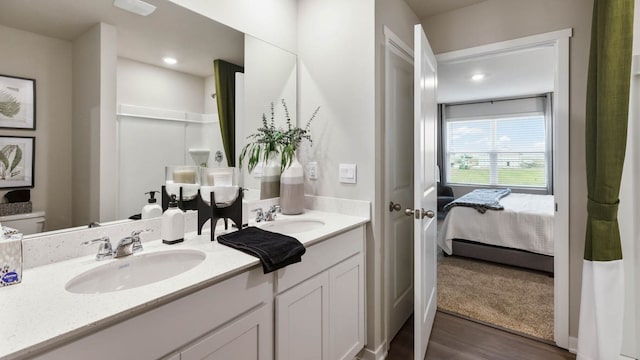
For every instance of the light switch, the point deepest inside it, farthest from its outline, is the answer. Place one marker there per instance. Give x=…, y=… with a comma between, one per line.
x=347, y=173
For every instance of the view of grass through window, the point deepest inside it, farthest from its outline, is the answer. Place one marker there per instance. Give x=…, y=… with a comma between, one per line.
x=508, y=177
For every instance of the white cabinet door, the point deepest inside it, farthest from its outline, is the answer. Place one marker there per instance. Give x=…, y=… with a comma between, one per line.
x=346, y=308
x=302, y=320
x=248, y=338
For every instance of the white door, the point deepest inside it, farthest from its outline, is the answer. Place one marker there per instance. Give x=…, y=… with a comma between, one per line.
x=398, y=181
x=425, y=223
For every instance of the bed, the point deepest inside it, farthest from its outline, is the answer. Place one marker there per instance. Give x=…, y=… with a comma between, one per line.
x=520, y=235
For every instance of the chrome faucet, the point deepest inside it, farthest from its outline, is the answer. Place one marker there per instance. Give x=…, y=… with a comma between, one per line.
x=129, y=245
x=137, y=243
x=105, y=251
x=269, y=215
x=259, y=214
x=126, y=246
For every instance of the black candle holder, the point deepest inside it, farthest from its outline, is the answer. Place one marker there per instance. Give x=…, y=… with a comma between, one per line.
x=184, y=205
x=214, y=213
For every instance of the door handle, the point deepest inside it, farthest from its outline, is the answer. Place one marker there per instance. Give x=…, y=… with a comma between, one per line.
x=419, y=213
x=396, y=207
x=429, y=213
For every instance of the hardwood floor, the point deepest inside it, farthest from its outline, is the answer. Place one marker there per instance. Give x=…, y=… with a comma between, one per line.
x=453, y=337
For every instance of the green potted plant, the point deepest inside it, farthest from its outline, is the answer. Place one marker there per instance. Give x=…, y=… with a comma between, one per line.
x=264, y=142
x=264, y=146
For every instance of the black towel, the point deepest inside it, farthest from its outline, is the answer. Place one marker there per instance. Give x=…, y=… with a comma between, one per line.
x=274, y=250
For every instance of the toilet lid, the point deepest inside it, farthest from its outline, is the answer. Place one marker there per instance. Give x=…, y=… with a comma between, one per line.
x=31, y=215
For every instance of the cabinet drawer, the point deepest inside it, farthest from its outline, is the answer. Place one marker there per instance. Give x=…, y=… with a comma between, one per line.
x=320, y=257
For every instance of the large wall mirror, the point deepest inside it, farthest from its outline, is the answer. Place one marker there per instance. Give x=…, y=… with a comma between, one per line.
x=111, y=113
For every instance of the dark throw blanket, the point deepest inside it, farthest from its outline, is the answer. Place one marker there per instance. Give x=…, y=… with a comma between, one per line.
x=481, y=200
x=274, y=250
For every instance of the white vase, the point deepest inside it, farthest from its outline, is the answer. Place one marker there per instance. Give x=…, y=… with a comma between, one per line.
x=270, y=178
x=292, y=189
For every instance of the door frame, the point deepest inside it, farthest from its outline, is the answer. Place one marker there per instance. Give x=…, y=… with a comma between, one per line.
x=560, y=42
x=393, y=43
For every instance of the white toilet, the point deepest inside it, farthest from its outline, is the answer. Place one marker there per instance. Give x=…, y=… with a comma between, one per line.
x=29, y=223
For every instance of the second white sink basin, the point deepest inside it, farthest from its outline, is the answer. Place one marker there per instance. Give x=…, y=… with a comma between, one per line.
x=134, y=271
x=293, y=226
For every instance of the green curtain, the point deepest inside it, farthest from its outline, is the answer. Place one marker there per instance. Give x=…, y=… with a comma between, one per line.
x=225, y=75
x=606, y=123
x=602, y=300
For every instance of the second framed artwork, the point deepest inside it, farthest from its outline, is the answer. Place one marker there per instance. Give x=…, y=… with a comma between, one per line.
x=17, y=159
x=17, y=103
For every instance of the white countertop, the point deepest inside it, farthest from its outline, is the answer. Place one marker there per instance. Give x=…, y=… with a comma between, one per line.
x=39, y=313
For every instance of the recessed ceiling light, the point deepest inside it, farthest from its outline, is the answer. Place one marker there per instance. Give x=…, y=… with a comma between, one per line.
x=477, y=77
x=138, y=7
x=170, y=60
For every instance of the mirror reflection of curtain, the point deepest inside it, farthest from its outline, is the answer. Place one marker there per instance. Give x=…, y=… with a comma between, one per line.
x=225, y=76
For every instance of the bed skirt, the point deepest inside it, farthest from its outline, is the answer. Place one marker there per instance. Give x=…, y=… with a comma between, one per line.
x=502, y=255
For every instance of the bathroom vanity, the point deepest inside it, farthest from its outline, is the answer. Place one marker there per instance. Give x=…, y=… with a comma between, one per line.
x=223, y=307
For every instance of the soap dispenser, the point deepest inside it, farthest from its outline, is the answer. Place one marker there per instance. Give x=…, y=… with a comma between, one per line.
x=172, y=229
x=152, y=209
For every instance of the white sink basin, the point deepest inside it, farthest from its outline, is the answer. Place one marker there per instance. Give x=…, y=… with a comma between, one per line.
x=293, y=226
x=135, y=271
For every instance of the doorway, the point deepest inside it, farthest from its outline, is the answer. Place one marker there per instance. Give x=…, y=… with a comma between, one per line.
x=398, y=243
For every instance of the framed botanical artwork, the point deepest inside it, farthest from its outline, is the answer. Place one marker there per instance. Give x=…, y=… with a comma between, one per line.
x=17, y=103
x=17, y=159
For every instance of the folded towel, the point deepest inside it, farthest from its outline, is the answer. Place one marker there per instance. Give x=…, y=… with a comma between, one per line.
x=274, y=250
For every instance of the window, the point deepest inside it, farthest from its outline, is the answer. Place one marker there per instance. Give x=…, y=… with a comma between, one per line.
x=497, y=150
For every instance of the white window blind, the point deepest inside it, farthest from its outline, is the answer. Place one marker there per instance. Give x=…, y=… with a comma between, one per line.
x=502, y=143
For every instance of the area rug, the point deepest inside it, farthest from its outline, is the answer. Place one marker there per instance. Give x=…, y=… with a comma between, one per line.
x=508, y=297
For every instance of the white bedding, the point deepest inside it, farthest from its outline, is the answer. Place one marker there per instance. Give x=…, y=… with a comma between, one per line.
x=526, y=223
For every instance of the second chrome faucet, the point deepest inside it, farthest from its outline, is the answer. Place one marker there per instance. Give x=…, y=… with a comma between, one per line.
x=126, y=246
x=269, y=215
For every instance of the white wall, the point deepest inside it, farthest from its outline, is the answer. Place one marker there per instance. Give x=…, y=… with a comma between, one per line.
x=108, y=166
x=399, y=18
x=336, y=71
x=48, y=61
x=142, y=84
x=210, y=105
x=271, y=20
x=336, y=58
x=94, y=125
x=498, y=20
x=86, y=107
x=269, y=76
x=146, y=146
